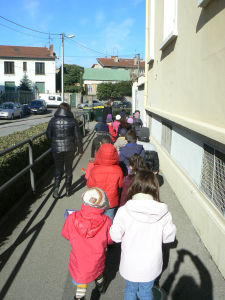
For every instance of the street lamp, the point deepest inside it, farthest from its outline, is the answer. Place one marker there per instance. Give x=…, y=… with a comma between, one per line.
x=62, y=61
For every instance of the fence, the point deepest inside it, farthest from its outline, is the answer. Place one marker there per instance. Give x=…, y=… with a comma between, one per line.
x=23, y=97
x=33, y=162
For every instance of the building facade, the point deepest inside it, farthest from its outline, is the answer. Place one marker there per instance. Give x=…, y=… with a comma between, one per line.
x=38, y=63
x=184, y=101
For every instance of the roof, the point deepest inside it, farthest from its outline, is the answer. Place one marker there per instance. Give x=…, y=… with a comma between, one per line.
x=121, y=63
x=26, y=52
x=105, y=74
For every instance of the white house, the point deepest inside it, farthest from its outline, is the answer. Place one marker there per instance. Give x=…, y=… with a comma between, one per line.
x=38, y=63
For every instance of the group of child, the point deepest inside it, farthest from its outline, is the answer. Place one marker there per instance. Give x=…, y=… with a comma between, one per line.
x=121, y=205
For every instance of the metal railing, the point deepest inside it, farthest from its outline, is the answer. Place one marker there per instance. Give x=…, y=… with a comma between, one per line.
x=33, y=162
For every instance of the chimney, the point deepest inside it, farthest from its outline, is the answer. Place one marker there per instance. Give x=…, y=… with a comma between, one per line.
x=51, y=50
x=116, y=59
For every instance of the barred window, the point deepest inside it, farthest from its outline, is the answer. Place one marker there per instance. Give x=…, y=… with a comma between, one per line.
x=166, y=136
x=213, y=177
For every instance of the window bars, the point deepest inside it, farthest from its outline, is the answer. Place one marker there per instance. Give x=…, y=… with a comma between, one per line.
x=213, y=177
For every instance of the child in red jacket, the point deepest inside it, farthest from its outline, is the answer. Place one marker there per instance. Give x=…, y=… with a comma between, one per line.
x=111, y=129
x=88, y=233
x=107, y=175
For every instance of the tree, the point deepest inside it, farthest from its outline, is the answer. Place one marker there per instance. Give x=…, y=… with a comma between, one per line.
x=25, y=84
x=73, y=82
x=114, y=90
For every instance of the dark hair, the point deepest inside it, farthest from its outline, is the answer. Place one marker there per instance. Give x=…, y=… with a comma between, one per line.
x=122, y=131
x=137, y=163
x=106, y=139
x=144, y=182
x=65, y=106
x=131, y=136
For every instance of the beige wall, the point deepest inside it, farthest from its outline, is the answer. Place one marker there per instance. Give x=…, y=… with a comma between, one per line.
x=187, y=79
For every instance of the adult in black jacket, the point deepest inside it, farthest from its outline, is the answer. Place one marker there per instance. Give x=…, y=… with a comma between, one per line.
x=64, y=133
x=107, y=110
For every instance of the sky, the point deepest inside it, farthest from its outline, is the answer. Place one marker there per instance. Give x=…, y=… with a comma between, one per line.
x=101, y=27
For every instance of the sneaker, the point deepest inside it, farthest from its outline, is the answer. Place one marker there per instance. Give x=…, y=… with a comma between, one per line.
x=56, y=193
x=75, y=298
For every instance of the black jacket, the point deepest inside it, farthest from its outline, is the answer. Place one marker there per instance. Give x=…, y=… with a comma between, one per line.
x=64, y=132
x=106, y=111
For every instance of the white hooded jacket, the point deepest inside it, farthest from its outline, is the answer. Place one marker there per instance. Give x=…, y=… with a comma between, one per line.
x=142, y=225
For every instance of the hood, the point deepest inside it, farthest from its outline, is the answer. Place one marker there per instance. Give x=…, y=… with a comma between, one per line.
x=106, y=155
x=61, y=112
x=89, y=221
x=134, y=148
x=144, y=209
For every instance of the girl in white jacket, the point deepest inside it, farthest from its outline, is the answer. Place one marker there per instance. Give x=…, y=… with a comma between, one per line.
x=142, y=225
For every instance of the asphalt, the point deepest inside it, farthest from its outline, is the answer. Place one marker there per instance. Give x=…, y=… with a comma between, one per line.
x=34, y=256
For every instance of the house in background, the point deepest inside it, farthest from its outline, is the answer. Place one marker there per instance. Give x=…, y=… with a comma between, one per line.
x=136, y=66
x=38, y=63
x=184, y=101
x=94, y=76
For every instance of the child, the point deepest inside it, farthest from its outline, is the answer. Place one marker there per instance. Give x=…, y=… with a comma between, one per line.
x=142, y=225
x=137, y=122
x=121, y=141
x=131, y=148
x=103, y=139
x=110, y=126
x=107, y=175
x=116, y=123
x=136, y=162
x=101, y=126
x=88, y=233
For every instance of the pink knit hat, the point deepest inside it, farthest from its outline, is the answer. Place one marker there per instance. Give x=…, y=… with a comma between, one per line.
x=130, y=120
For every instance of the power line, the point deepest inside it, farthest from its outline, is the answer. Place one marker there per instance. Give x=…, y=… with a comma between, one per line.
x=84, y=46
x=28, y=28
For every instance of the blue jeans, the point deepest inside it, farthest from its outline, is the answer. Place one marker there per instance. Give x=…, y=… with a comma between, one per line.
x=110, y=212
x=142, y=290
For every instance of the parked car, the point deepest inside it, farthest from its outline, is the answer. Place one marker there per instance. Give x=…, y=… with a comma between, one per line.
x=38, y=106
x=92, y=103
x=52, y=100
x=25, y=109
x=10, y=110
x=122, y=104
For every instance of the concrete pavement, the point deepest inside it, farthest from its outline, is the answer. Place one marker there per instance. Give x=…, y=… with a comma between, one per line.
x=34, y=256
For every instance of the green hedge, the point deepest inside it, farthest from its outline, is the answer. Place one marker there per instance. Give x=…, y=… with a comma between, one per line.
x=13, y=162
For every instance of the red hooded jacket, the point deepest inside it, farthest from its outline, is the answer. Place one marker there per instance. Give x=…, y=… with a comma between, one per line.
x=88, y=233
x=106, y=173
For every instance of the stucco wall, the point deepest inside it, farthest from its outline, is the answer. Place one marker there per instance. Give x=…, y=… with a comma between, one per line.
x=49, y=78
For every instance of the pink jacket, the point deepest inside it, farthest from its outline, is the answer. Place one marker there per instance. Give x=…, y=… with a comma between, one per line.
x=142, y=225
x=88, y=233
x=116, y=125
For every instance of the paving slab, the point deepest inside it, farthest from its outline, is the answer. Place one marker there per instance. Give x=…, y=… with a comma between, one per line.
x=34, y=256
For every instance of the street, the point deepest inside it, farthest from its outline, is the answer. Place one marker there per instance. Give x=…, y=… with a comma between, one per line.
x=10, y=126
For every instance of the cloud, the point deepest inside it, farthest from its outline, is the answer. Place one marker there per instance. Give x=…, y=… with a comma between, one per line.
x=32, y=7
x=99, y=17
x=116, y=34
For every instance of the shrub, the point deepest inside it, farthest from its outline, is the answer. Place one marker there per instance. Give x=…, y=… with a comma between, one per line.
x=16, y=160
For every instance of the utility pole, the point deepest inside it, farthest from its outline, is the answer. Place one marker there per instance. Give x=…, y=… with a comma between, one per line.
x=62, y=66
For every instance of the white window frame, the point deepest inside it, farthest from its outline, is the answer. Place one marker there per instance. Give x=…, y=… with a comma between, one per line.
x=152, y=32
x=203, y=3
x=170, y=20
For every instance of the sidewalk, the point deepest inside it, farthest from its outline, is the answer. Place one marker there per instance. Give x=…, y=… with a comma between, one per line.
x=34, y=257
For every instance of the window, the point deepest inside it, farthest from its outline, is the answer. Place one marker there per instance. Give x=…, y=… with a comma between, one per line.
x=39, y=68
x=51, y=98
x=152, y=31
x=166, y=136
x=9, y=67
x=9, y=86
x=169, y=22
x=90, y=89
x=25, y=66
x=40, y=86
x=213, y=177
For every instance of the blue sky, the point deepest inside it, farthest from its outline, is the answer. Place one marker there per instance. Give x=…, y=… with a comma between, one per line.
x=107, y=27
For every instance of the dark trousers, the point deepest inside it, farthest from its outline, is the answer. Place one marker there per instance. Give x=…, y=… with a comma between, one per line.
x=63, y=160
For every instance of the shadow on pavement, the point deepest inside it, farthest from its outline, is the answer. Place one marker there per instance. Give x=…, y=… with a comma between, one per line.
x=187, y=288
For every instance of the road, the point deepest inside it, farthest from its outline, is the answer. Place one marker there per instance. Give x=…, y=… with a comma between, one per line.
x=10, y=126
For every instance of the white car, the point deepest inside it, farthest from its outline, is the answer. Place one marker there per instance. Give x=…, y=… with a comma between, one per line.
x=51, y=100
x=92, y=104
x=10, y=110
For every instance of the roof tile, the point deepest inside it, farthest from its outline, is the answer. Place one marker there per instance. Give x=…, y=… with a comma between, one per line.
x=26, y=52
